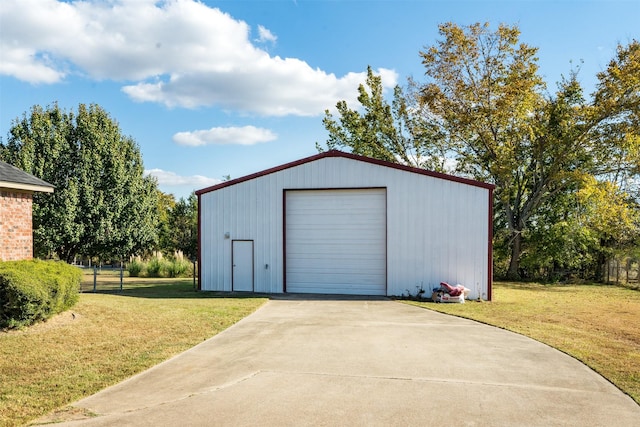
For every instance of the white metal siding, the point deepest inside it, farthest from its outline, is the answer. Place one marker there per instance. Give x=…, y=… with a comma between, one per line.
x=437, y=229
x=336, y=241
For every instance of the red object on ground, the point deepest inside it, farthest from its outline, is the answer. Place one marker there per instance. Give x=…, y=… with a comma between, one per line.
x=454, y=291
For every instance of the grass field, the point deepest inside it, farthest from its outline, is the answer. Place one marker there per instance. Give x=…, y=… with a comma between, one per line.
x=597, y=324
x=104, y=339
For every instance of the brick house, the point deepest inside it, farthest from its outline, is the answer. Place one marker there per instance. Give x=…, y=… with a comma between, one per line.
x=16, y=199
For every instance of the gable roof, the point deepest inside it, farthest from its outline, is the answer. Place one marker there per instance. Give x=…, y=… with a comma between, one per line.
x=342, y=154
x=16, y=179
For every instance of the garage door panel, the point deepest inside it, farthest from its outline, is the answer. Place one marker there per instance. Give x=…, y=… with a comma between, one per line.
x=335, y=225
x=336, y=228
x=338, y=288
x=359, y=263
x=329, y=233
x=336, y=241
x=359, y=267
x=332, y=279
x=322, y=277
x=334, y=249
x=309, y=260
x=337, y=276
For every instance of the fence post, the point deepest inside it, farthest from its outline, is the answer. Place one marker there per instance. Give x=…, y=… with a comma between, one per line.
x=95, y=277
x=627, y=270
x=194, y=275
x=121, y=274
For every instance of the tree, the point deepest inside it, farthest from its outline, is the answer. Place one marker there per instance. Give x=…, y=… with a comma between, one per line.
x=612, y=217
x=184, y=225
x=103, y=205
x=383, y=131
x=615, y=118
x=484, y=110
x=166, y=204
x=178, y=225
x=592, y=148
x=576, y=231
x=484, y=90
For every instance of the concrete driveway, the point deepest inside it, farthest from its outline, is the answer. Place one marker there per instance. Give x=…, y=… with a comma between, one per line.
x=304, y=360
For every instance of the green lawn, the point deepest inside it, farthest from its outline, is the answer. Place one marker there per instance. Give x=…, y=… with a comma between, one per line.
x=104, y=339
x=597, y=324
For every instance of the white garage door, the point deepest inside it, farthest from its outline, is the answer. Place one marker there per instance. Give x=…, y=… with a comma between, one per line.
x=336, y=241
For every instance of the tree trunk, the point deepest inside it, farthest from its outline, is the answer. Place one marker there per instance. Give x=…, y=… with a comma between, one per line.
x=68, y=258
x=602, y=266
x=514, y=262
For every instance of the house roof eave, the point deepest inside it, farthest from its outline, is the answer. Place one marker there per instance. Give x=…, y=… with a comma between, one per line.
x=5, y=185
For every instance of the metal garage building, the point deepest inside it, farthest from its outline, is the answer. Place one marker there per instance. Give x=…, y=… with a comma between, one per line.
x=337, y=223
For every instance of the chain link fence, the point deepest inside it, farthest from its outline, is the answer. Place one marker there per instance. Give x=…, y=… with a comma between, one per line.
x=623, y=271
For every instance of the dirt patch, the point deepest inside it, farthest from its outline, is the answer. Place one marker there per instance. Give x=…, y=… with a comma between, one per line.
x=69, y=413
x=55, y=322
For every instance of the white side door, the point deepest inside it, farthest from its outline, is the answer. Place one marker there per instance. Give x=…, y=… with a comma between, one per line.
x=242, y=268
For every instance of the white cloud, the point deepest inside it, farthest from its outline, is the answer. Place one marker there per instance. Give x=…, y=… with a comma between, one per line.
x=264, y=35
x=246, y=135
x=19, y=62
x=180, y=53
x=167, y=178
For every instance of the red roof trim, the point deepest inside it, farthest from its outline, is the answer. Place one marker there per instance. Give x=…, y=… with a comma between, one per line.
x=336, y=153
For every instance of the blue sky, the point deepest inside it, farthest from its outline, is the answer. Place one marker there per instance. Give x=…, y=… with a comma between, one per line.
x=215, y=88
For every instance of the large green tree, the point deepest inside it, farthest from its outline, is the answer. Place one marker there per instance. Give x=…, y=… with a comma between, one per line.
x=484, y=90
x=484, y=111
x=103, y=205
x=574, y=231
x=178, y=226
x=394, y=133
x=166, y=203
x=184, y=225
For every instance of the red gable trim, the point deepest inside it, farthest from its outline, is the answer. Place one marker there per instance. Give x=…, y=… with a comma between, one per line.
x=336, y=153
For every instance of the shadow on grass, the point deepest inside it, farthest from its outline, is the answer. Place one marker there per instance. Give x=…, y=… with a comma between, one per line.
x=551, y=287
x=183, y=288
x=160, y=288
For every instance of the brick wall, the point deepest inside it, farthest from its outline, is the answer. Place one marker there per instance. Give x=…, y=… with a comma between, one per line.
x=16, y=234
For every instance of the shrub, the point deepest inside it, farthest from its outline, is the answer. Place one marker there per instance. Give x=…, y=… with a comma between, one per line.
x=160, y=267
x=179, y=268
x=134, y=268
x=35, y=290
x=155, y=267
